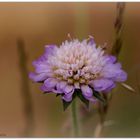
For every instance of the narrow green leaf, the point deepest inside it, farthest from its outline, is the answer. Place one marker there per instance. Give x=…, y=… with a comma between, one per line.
x=98, y=96
x=58, y=94
x=66, y=104
x=82, y=98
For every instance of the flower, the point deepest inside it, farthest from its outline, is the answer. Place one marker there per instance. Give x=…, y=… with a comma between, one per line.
x=77, y=65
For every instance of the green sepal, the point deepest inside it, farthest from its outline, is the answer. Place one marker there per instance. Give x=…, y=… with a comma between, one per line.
x=66, y=104
x=99, y=97
x=82, y=98
x=78, y=93
x=58, y=94
x=45, y=92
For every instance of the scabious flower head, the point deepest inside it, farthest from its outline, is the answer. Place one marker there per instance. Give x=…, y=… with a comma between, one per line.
x=77, y=65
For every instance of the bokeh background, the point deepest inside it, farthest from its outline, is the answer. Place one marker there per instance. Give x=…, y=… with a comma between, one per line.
x=24, y=30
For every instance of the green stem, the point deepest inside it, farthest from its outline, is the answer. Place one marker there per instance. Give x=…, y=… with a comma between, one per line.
x=75, y=119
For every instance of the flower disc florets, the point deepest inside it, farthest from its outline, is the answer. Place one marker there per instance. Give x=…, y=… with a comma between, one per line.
x=77, y=65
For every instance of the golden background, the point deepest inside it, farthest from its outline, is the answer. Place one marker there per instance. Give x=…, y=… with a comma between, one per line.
x=38, y=24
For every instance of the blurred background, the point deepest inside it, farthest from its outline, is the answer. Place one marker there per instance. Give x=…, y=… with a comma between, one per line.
x=24, y=30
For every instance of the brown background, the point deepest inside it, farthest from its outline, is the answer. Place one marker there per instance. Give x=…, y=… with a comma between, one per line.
x=39, y=24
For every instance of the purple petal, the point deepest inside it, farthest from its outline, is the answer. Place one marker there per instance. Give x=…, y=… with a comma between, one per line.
x=92, y=99
x=68, y=97
x=50, y=83
x=121, y=76
x=37, y=77
x=56, y=91
x=86, y=91
x=111, y=59
x=111, y=71
x=61, y=85
x=44, y=89
x=91, y=40
x=68, y=89
x=102, y=84
x=39, y=61
x=42, y=69
x=118, y=65
x=109, y=88
x=49, y=49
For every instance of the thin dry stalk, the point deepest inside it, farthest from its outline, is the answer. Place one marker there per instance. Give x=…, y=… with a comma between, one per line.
x=25, y=90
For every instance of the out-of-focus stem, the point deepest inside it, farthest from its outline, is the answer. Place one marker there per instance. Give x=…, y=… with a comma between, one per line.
x=118, y=26
x=25, y=90
x=99, y=127
x=75, y=119
x=102, y=110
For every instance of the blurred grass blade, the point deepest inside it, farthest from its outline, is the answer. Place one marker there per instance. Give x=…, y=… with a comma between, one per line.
x=99, y=97
x=109, y=123
x=66, y=104
x=118, y=29
x=83, y=99
x=25, y=90
x=128, y=87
